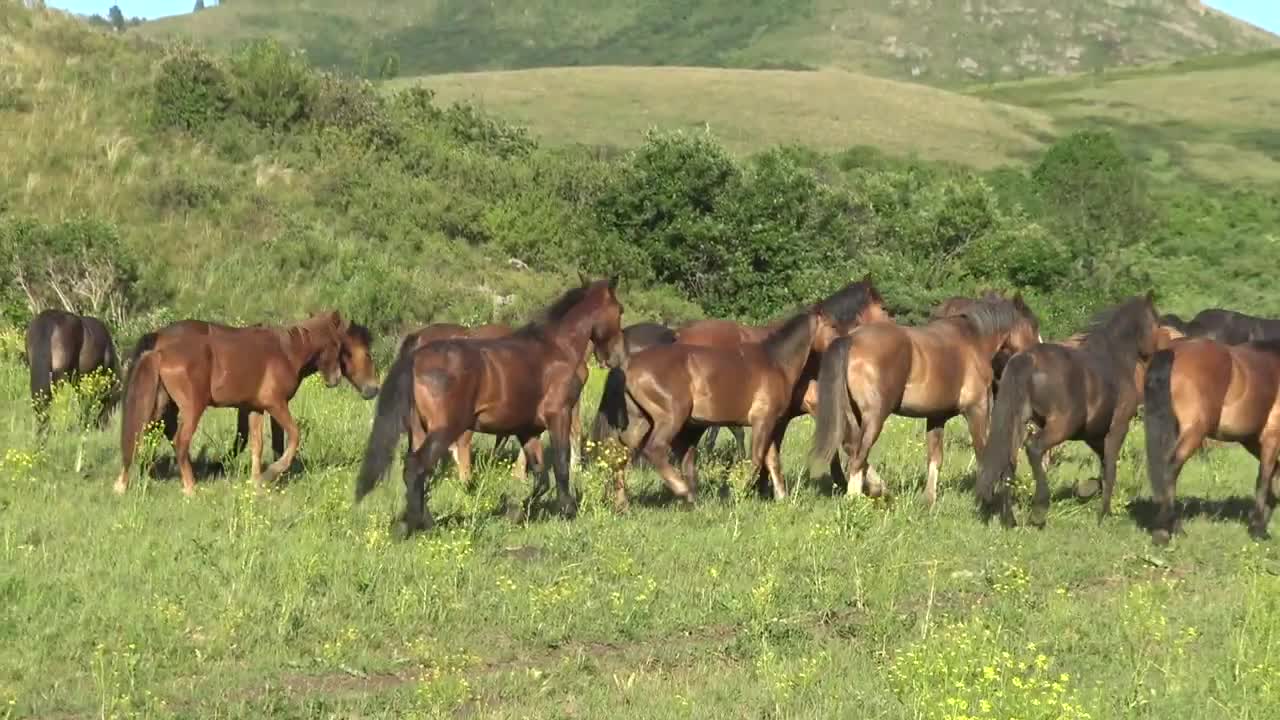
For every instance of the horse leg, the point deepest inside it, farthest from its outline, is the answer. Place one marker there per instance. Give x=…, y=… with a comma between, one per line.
x=1110, y=454
x=254, y=432
x=561, y=448
x=713, y=433
x=685, y=449
x=425, y=451
x=575, y=435
x=634, y=438
x=534, y=461
x=935, y=431
x=188, y=420
x=1167, y=523
x=280, y=411
x=865, y=435
x=1055, y=431
x=520, y=467
x=740, y=437
x=461, y=450
x=761, y=442
x=657, y=450
x=1264, y=498
x=773, y=460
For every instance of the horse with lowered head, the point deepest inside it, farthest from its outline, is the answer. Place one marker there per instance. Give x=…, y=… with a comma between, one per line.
x=521, y=384
x=65, y=346
x=183, y=369
x=1228, y=327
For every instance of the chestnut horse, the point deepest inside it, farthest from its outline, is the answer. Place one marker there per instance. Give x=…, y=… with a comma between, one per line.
x=521, y=384
x=179, y=371
x=935, y=372
x=1200, y=388
x=64, y=346
x=1082, y=389
x=673, y=392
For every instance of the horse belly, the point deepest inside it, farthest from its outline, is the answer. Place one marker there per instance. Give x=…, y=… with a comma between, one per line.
x=719, y=397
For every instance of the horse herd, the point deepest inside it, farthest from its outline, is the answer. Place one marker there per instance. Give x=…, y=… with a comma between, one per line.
x=843, y=360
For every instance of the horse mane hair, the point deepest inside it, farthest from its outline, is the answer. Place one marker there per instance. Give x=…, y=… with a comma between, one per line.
x=954, y=306
x=990, y=315
x=848, y=302
x=1116, y=331
x=360, y=333
x=781, y=344
x=554, y=313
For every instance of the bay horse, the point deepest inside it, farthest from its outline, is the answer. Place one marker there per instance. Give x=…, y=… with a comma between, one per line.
x=674, y=392
x=65, y=346
x=521, y=384
x=1085, y=389
x=935, y=372
x=179, y=371
x=610, y=414
x=461, y=450
x=1202, y=388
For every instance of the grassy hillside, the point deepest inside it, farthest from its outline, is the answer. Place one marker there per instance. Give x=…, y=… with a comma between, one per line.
x=1208, y=119
x=924, y=40
x=753, y=109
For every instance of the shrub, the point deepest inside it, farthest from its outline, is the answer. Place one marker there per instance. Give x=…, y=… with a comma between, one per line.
x=272, y=86
x=190, y=91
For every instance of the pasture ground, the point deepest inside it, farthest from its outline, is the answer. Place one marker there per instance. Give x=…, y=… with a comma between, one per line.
x=295, y=604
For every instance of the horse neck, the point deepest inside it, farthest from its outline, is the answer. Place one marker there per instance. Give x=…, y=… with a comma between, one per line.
x=794, y=365
x=571, y=333
x=303, y=345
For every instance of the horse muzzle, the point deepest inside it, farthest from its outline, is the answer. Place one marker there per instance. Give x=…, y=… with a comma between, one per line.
x=369, y=392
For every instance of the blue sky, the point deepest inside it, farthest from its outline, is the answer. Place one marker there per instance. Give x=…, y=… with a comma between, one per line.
x=1263, y=13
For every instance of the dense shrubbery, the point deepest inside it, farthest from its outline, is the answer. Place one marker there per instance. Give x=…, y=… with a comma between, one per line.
x=325, y=192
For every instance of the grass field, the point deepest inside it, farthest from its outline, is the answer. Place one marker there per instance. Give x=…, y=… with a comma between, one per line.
x=750, y=110
x=1209, y=119
x=294, y=604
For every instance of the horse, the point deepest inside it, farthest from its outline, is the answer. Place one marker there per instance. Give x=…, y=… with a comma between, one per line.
x=935, y=371
x=179, y=371
x=607, y=420
x=1083, y=389
x=520, y=384
x=1231, y=328
x=1203, y=388
x=66, y=346
x=673, y=392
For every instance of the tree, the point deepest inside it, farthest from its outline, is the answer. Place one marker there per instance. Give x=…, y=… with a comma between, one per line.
x=199, y=6
x=116, y=17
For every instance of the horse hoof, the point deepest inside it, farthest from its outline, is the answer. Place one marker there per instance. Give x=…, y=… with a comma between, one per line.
x=1087, y=488
x=1259, y=533
x=1160, y=537
x=569, y=510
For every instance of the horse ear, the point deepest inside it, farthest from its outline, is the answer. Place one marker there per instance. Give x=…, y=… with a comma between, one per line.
x=582, y=278
x=1151, y=297
x=613, y=282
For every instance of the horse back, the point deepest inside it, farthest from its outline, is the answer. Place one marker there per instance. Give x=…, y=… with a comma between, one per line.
x=496, y=385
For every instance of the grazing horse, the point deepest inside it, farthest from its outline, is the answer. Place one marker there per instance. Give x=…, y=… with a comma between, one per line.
x=935, y=372
x=64, y=346
x=1231, y=328
x=179, y=371
x=1083, y=389
x=521, y=384
x=673, y=392
x=1199, y=388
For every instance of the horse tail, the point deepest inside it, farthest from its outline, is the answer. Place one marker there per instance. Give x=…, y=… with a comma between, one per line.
x=142, y=388
x=611, y=415
x=1008, y=422
x=115, y=393
x=40, y=359
x=395, y=401
x=833, y=397
x=1160, y=422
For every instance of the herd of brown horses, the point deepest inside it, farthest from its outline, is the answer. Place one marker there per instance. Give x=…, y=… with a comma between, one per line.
x=842, y=360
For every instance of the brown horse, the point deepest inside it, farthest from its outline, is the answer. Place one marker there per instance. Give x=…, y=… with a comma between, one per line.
x=673, y=392
x=461, y=450
x=521, y=384
x=715, y=332
x=65, y=346
x=179, y=371
x=1199, y=388
x=1083, y=389
x=935, y=372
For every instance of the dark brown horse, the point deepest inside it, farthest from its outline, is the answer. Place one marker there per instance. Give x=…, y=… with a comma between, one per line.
x=935, y=372
x=1200, y=388
x=1228, y=327
x=65, y=346
x=611, y=413
x=179, y=371
x=674, y=392
x=522, y=384
x=1083, y=389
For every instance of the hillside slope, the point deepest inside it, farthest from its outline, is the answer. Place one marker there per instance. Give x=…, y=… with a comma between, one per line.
x=934, y=41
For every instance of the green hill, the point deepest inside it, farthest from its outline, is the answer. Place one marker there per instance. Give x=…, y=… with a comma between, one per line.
x=926, y=40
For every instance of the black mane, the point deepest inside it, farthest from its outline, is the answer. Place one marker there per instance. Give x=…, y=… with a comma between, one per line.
x=554, y=312
x=990, y=315
x=793, y=336
x=848, y=302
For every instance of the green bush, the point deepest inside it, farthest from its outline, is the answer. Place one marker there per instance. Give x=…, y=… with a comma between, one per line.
x=190, y=91
x=272, y=86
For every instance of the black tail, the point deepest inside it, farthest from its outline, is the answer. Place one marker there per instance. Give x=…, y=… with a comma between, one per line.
x=1161, y=425
x=1008, y=422
x=40, y=358
x=115, y=393
x=395, y=400
x=611, y=415
x=833, y=405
